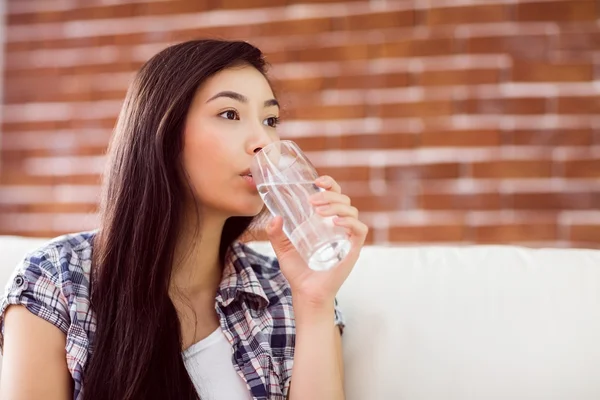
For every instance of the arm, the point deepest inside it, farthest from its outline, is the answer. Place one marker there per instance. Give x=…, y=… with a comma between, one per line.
x=317, y=371
x=34, y=363
x=318, y=365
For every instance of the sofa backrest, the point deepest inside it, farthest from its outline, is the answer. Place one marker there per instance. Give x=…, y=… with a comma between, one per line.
x=472, y=323
x=480, y=322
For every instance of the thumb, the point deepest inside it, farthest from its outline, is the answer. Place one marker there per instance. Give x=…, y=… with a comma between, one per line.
x=280, y=242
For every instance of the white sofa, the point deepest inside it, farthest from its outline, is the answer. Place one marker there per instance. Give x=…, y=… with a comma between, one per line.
x=461, y=323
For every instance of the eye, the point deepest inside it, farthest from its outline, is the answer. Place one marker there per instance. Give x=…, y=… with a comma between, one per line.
x=230, y=114
x=271, y=121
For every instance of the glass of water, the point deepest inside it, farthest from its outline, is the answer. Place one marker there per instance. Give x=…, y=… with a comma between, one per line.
x=285, y=179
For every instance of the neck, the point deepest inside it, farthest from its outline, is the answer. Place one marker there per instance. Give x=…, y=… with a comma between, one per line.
x=197, y=268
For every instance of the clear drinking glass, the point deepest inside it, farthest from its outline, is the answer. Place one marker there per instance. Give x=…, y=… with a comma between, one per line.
x=285, y=179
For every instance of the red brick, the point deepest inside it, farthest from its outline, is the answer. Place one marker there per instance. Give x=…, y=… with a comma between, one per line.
x=547, y=137
x=568, y=10
x=107, y=123
x=129, y=39
x=512, y=169
x=340, y=82
x=510, y=106
x=427, y=108
x=459, y=77
x=42, y=232
x=346, y=173
x=377, y=203
x=451, y=201
x=9, y=177
x=174, y=7
x=522, y=232
x=29, y=94
x=91, y=69
x=350, y=82
x=427, y=234
x=525, y=105
x=322, y=1
x=346, y=82
x=294, y=27
x=424, y=171
x=461, y=138
x=348, y=52
x=583, y=40
x=529, y=47
x=84, y=13
x=397, y=79
x=80, y=150
x=466, y=14
x=583, y=168
x=579, y=105
x=312, y=84
x=379, y=141
x=315, y=143
x=417, y=47
x=544, y=72
x=329, y=112
x=380, y=20
x=49, y=208
x=232, y=4
x=553, y=201
x=585, y=233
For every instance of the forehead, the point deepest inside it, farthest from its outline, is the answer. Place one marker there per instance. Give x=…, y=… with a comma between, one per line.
x=245, y=80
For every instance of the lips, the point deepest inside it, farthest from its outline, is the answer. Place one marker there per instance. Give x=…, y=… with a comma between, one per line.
x=247, y=176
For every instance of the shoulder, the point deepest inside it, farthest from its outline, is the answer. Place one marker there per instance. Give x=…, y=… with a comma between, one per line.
x=64, y=259
x=53, y=283
x=266, y=269
x=52, y=278
x=261, y=257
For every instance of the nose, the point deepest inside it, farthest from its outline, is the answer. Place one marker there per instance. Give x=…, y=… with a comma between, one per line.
x=259, y=139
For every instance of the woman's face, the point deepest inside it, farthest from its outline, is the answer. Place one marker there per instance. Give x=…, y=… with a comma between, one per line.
x=232, y=116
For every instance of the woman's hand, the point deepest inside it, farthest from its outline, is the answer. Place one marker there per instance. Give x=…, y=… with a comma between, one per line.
x=320, y=287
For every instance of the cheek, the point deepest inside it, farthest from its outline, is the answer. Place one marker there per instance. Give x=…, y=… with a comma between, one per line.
x=206, y=159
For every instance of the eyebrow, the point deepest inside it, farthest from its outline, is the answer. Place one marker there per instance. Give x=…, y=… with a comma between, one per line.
x=241, y=98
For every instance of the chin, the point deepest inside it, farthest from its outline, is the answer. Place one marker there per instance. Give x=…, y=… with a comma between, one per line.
x=246, y=210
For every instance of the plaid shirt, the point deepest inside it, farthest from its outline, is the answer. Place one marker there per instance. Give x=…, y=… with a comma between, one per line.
x=254, y=303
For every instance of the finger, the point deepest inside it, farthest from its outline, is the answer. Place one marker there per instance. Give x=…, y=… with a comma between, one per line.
x=328, y=183
x=357, y=229
x=338, y=209
x=329, y=197
x=277, y=237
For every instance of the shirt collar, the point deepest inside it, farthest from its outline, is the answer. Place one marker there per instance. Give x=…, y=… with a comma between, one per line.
x=239, y=277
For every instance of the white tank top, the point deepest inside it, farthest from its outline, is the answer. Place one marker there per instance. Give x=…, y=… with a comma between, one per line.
x=209, y=364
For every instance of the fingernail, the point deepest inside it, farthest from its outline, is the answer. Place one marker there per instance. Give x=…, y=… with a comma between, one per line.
x=323, y=181
x=322, y=208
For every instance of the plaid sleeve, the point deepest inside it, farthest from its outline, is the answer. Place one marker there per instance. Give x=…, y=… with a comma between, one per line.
x=339, y=317
x=34, y=284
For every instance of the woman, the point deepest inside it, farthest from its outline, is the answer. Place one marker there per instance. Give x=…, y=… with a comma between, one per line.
x=163, y=301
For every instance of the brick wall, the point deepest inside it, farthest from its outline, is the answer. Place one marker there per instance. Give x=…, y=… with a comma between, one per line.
x=446, y=121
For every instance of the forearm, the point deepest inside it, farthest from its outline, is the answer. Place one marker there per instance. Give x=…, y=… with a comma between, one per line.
x=316, y=373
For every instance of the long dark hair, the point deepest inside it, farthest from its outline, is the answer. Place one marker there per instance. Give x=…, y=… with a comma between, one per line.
x=136, y=349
